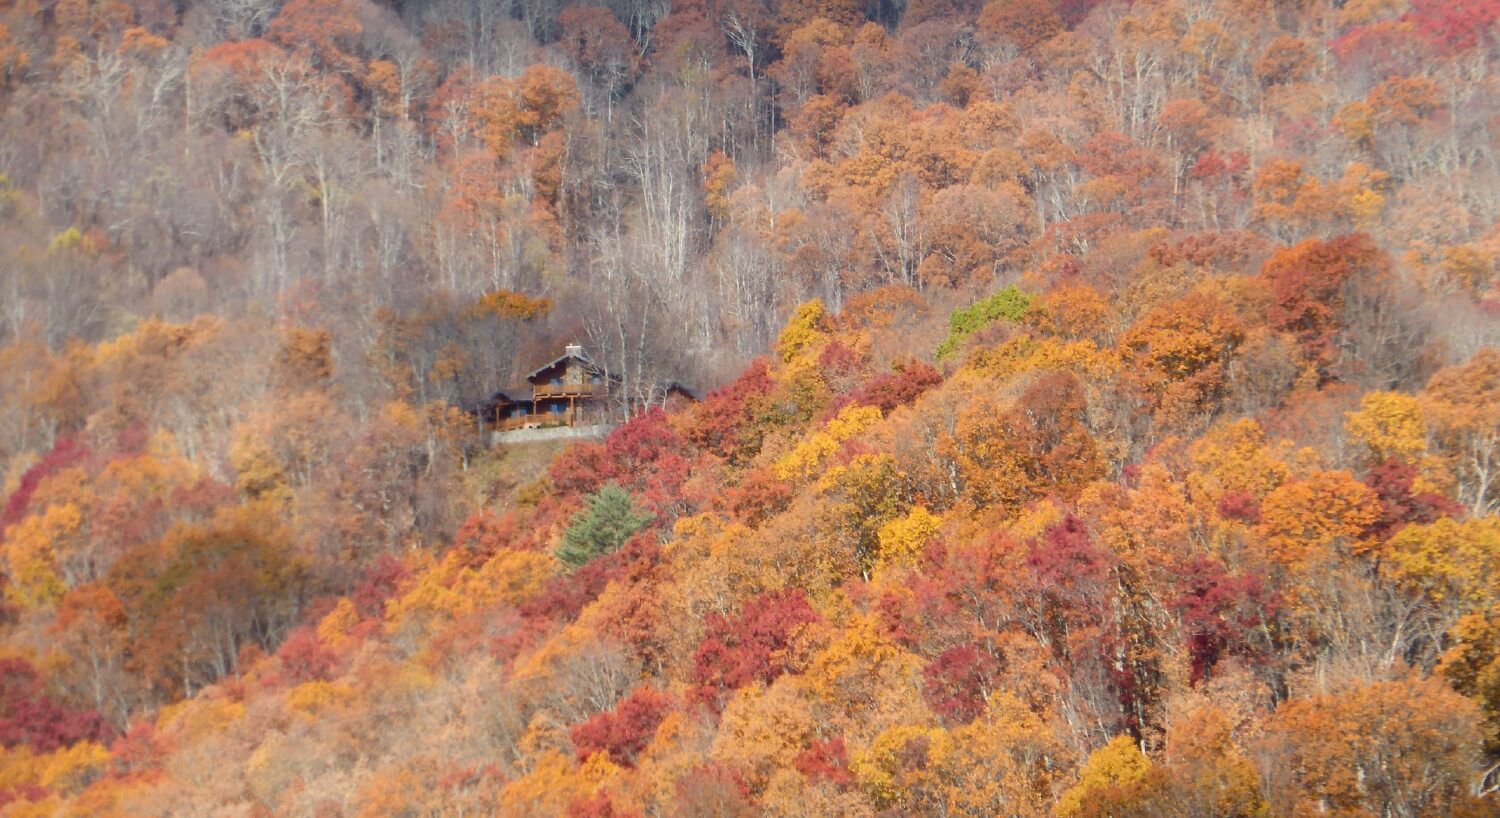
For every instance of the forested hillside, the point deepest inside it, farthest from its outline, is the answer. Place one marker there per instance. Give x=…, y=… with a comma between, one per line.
x=1107, y=418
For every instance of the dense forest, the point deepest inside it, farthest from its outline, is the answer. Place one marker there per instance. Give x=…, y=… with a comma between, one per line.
x=1106, y=422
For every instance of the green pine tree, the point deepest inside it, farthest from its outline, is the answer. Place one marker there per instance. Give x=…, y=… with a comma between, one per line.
x=603, y=527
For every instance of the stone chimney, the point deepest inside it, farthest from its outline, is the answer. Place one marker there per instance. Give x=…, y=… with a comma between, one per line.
x=575, y=350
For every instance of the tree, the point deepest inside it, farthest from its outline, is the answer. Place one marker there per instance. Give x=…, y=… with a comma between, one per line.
x=1456, y=26
x=1310, y=284
x=208, y=590
x=756, y=645
x=1464, y=403
x=545, y=95
x=1009, y=304
x=1222, y=614
x=1401, y=747
x=711, y=789
x=1322, y=517
x=903, y=539
x=810, y=456
x=28, y=716
x=1039, y=446
x=1179, y=355
x=856, y=502
x=305, y=658
x=957, y=683
x=1403, y=502
x=92, y=642
x=1286, y=59
x=623, y=732
x=327, y=29
x=763, y=730
x=14, y=60
x=1119, y=763
x=904, y=766
x=602, y=528
x=600, y=44
x=1391, y=426
x=34, y=551
x=1024, y=24
x=1205, y=770
x=909, y=380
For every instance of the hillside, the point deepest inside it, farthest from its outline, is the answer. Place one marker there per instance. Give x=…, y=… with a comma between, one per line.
x=1104, y=411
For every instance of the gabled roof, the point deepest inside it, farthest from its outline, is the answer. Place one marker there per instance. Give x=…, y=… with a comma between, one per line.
x=678, y=386
x=579, y=357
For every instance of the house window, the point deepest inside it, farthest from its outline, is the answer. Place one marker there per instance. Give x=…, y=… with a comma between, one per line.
x=557, y=409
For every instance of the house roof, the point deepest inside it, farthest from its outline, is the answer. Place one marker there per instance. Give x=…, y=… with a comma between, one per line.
x=578, y=356
x=512, y=394
x=690, y=391
x=502, y=397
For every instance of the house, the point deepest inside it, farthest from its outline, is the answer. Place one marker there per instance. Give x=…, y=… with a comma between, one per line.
x=568, y=397
x=569, y=391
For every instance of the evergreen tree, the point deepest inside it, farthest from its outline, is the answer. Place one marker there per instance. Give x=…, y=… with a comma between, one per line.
x=603, y=527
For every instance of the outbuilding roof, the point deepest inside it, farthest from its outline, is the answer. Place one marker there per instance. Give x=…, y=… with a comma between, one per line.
x=678, y=386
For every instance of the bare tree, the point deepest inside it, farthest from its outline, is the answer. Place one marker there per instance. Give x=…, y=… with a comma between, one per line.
x=292, y=104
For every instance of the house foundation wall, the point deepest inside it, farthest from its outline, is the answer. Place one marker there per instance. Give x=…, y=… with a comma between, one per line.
x=551, y=433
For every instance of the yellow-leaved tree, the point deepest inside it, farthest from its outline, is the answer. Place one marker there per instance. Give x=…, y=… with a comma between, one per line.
x=1390, y=426
x=1116, y=764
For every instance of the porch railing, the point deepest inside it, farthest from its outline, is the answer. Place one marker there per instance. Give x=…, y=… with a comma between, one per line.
x=547, y=419
x=566, y=390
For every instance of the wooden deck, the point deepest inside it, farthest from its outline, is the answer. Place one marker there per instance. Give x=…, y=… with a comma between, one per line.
x=567, y=390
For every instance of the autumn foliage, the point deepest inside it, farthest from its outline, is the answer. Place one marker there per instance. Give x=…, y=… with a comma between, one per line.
x=1030, y=407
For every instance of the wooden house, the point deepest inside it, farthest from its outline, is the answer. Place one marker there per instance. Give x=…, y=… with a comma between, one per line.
x=568, y=391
